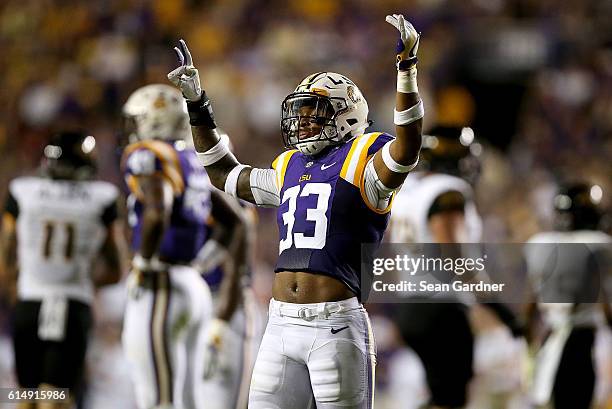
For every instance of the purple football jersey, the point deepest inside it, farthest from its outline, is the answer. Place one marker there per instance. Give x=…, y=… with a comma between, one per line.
x=188, y=228
x=323, y=218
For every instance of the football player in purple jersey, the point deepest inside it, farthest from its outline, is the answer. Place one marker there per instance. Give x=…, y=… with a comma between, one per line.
x=166, y=332
x=333, y=191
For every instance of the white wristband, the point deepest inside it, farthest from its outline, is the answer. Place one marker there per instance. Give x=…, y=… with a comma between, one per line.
x=409, y=115
x=392, y=164
x=231, y=182
x=407, y=81
x=215, y=153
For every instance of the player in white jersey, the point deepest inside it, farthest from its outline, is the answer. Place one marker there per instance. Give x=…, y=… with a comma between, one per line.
x=169, y=304
x=54, y=228
x=436, y=205
x=440, y=194
x=570, y=272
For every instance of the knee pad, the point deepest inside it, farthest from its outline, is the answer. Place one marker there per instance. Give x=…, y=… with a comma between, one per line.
x=268, y=372
x=340, y=374
x=325, y=378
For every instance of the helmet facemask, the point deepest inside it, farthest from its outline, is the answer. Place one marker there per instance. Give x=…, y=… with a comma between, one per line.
x=308, y=121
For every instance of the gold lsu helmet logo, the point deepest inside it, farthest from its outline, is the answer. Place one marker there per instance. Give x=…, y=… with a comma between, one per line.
x=160, y=102
x=320, y=91
x=352, y=94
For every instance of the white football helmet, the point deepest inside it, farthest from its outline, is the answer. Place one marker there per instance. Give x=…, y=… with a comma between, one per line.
x=156, y=111
x=325, y=109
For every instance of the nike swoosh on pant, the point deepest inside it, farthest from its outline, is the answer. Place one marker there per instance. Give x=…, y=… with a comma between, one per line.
x=335, y=331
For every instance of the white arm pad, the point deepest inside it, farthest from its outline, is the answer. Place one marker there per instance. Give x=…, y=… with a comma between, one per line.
x=231, y=182
x=376, y=192
x=215, y=153
x=409, y=115
x=264, y=188
x=392, y=164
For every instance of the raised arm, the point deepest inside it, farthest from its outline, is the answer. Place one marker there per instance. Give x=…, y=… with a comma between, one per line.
x=224, y=170
x=393, y=162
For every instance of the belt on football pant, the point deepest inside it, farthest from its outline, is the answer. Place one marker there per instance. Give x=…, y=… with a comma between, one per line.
x=316, y=310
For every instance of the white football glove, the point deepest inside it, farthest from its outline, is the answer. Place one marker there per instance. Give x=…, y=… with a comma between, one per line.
x=186, y=76
x=408, y=43
x=214, y=342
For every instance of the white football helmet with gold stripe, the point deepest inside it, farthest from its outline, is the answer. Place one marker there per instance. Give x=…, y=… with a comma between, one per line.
x=325, y=109
x=156, y=111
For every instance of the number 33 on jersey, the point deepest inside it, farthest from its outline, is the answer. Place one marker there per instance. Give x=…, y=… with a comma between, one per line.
x=323, y=216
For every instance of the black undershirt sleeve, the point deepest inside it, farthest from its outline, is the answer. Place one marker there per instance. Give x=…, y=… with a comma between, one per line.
x=109, y=215
x=11, y=206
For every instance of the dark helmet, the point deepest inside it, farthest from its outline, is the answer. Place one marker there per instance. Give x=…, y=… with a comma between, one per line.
x=70, y=155
x=577, y=206
x=452, y=150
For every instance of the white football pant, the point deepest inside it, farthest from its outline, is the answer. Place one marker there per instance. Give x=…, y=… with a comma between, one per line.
x=163, y=335
x=320, y=353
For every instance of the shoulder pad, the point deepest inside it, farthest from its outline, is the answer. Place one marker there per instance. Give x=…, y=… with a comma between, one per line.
x=357, y=157
x=150, y=157
x=280, y=165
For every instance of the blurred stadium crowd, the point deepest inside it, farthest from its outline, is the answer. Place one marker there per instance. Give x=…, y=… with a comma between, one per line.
x=532, y=77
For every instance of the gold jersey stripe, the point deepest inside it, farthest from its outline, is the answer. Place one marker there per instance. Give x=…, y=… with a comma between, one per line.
x=363, y=157
x=280, y=165
x=351, y=170
x=168, y=157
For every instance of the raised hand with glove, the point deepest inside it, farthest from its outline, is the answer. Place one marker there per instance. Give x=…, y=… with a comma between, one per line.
x=186, y=76
x=213, y=153
x=406, y=49
x=407, y=44
x=398, y=157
